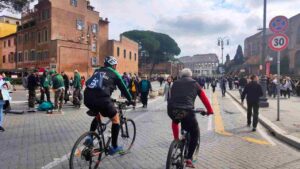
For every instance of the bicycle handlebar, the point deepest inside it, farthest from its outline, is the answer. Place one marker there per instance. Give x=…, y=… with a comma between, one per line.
x=200, y=111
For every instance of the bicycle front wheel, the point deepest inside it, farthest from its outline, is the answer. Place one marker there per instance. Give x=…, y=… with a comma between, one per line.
x=175, y=159
x=127, y=134
x=86, y=153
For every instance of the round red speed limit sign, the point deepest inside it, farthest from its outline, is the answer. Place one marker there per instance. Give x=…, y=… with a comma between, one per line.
x=278, y=42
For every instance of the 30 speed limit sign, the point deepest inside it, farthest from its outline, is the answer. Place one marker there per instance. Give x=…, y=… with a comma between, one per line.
x=278, y=42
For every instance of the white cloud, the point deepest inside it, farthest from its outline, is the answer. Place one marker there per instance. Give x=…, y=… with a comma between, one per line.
x=236, y=19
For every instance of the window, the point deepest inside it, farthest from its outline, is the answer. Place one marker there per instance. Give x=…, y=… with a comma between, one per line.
x=125, y=53
x=118, y=51
x=130, y=55
x=79, y=24
x=4, y=44
x=74, y=3
x=3, y=59
x=31, y=57
x=46, y=55
x=38, y=56
x=20, y=39
x=11, y=57
x=94, y=47
x=26, y=37
x=20, y=57
x=45, y=14
x=26, y=55
x=135, y=57
x=46, y=35
x=8, y=42
x=39, y=37
x=94, y=28
x=32, y=35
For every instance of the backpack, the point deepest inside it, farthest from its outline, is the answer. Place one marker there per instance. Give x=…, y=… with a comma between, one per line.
x=45, y=106
x=96, y=81
x=144, y=86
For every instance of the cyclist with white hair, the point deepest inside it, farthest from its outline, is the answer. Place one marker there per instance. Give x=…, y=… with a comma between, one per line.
x=97, y=97
x=183, y=94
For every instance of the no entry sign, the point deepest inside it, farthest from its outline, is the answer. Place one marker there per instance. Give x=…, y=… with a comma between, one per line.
x=278, y=42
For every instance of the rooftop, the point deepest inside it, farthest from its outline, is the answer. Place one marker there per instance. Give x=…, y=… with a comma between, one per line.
x=200, y=58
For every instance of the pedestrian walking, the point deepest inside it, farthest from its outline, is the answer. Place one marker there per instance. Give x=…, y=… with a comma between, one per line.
x=230, y=83
x=213, y=85
x=223, y=86
x=71, y=83
x=167, y=89
x=134, y=88
x=242, y=84
x=82, y=81
x=77, y=97
x=2, y=102
x=67, y=86
x=32, y=85
x=253, y=91
x=208, y=81
x=161, y=80
x=288, y=86
x=144, y=88
x=59, y=90
x=45, y=81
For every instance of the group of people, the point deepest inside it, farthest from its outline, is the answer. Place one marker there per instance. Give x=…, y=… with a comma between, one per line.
x=58, y=82
x=285, y=85
x=138, y=87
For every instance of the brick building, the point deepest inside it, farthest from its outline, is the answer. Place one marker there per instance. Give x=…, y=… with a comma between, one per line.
x=7, y=51
x=64, y=35
x=253, y=49
x=126, y=51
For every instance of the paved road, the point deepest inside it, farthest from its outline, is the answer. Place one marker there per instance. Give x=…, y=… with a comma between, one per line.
x=36, y=140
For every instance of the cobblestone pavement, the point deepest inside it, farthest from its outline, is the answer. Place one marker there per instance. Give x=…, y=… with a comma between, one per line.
x=289, y=119
x=36, y=140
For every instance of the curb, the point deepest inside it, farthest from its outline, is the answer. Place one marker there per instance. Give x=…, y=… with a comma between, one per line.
x=275, y=130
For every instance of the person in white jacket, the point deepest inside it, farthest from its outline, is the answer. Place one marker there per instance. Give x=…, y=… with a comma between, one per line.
x=4, y=96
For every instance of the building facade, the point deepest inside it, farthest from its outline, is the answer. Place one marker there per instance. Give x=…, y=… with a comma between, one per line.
x=64, y=35
x=126, y=51
x=201, y=64
x=253, y=49
x=7, y=51
x=8, y=25
x=172, y=68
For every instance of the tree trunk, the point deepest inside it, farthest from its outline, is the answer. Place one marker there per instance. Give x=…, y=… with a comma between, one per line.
x=152, y=68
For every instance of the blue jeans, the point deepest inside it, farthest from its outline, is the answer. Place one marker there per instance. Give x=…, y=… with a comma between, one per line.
x=1, y=112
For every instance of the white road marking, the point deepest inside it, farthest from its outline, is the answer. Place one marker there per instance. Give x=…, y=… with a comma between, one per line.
x=57, y=161
x=259, y=129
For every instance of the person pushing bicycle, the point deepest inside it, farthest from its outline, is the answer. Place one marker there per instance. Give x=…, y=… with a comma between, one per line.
x=183, y=94
x=97, y=97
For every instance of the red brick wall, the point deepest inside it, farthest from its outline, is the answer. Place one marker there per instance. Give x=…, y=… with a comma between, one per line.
x=7, y=51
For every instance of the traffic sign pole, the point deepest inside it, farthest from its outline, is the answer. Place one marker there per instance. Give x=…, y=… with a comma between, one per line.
x=278, y=42
x=278, y=85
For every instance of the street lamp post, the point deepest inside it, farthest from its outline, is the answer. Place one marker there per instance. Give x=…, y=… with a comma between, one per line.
x=221, y=41
x=263, y=102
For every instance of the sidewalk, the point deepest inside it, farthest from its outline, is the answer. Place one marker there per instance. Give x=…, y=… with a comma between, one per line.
x=288, y=128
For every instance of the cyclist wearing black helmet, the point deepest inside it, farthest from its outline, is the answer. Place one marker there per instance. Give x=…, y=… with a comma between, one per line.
x=97, y=97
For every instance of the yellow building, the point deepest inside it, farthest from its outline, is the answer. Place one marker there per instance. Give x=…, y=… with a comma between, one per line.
x=8, y=25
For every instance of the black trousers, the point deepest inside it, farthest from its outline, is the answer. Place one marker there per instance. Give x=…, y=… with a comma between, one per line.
x=188, y=123
x=31, y=98
x=144, y=98
x=252, y=109
x=47, y=92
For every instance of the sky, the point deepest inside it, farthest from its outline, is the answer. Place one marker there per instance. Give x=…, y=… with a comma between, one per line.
x=194, y=24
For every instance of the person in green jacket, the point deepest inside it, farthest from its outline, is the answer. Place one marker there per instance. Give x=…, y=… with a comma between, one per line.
x=59, y=89
x=45, y=86
x=77, y=97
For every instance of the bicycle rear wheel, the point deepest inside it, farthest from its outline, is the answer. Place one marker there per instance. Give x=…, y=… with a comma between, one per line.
x=86, y=155
x=175, y=159
x=127, y=134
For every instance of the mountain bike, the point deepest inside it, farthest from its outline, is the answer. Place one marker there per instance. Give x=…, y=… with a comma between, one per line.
x=178, y=150
x=90, y=156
